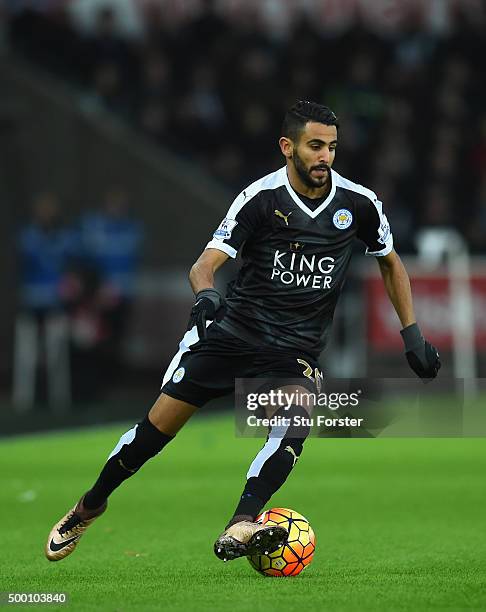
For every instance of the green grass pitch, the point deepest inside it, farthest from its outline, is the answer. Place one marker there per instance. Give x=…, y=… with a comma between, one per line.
x=400, y=524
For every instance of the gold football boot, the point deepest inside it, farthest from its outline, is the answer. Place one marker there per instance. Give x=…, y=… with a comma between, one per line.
x=65, y=535
x=246, y=538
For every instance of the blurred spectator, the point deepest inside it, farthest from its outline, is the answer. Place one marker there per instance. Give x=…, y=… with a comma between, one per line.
x=98, y=293
x=154, y=122
x=85, y=15
x=228, y=163
x=437, y=207
x=112, y=241
x=203, y=31
x=87, y=304
x=106, y=45
x=155, y=98
x=156, y=75
x=47, y=249
x=161, y=36
x=108, y=89
x=201, y=112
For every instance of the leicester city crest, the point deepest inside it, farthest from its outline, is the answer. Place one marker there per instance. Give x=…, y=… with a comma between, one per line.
x=342, y=218
x=178, y=375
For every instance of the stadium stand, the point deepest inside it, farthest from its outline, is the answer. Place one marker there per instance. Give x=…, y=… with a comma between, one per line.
x=212, y=85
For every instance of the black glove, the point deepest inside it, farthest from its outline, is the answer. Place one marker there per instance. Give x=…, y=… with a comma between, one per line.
x=422, y=356
x=209, y=305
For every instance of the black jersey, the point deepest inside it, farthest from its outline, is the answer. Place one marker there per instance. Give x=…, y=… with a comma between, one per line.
x=294, y=259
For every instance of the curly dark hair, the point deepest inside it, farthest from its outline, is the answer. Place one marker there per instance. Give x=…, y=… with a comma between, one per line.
x=301, y=113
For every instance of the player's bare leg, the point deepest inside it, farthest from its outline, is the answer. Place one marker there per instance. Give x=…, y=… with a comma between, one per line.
x=166, y=417
x=170, y=415
x=269, y=470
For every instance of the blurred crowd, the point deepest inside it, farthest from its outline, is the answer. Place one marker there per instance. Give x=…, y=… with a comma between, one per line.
x=76, y=286
x=214, y=90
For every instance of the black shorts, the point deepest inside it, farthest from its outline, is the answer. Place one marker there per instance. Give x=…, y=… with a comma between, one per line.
x=206, y=369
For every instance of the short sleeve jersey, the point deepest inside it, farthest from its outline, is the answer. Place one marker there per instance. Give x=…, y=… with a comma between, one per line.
x=294, y=259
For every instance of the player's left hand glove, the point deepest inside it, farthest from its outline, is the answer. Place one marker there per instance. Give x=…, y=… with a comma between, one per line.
x=209, y=305
x=422, y=356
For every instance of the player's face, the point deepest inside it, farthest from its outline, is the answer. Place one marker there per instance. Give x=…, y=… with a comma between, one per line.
x=313, y=155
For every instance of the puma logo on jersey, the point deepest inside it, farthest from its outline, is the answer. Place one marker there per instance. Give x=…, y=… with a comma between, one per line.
x=292, y=452
x=282, y=216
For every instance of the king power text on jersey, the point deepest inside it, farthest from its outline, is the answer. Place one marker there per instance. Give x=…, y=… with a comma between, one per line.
x=302, y=271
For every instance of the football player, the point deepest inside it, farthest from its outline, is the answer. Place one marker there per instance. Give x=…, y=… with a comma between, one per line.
x=295, y=230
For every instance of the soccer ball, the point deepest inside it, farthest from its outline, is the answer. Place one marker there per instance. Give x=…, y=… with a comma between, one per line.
x=291, y=558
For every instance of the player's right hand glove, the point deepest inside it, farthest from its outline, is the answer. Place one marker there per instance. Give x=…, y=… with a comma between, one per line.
x=422, y=356
x=209, y=306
